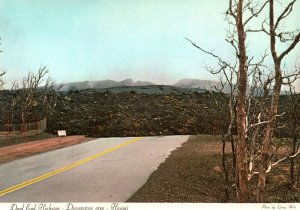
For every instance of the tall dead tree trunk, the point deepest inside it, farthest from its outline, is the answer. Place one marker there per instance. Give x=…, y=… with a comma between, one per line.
x=268, y=135
x=1, y=74
x=241, y=163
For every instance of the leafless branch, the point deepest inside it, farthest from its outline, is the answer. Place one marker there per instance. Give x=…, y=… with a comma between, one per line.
x=263, y=29
x=264, y=122
x=291, y=47
x=283, y=159
x=223, y=63
x=271, y=165
x=255, y=14
x=285, y=13
x=230, y=9
x=291, y=78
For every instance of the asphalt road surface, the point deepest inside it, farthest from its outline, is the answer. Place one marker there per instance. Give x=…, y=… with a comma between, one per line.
x=102, y=170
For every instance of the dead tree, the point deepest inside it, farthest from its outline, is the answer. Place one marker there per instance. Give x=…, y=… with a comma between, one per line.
x=255, y=117
x=237, y=38
x=1, y=88
x=292, y=39
x=239, y=15
x=1, y=77
x=33, y=98
x=227, y=76
x=222, y=112
x=227, y=85
x=1, y=80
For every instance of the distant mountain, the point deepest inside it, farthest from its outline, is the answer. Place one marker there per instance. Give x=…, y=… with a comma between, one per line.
x=103, y=84
x=184, y=83
x=143, y=83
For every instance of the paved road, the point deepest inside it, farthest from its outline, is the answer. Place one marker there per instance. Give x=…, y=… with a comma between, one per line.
x=102, y=170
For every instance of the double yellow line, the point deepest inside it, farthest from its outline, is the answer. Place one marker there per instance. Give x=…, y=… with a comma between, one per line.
x=68, y=167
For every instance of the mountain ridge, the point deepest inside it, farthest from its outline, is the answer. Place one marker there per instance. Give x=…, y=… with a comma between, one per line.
x=183, y=83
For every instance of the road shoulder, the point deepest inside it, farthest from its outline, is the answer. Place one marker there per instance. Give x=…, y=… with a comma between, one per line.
x=17, y=151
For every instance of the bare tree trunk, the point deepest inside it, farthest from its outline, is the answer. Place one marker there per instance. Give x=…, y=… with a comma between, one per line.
x=268, y=135
x=227, y=193
x=292, y=171
x=292, y=166
x=298, y=173
x=230, y=128
x=263, y=166
x=241, y=162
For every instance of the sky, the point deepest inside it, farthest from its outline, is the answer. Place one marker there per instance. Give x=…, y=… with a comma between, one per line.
x=81, y=40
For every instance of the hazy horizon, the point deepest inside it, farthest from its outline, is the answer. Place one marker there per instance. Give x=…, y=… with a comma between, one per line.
x=99, y=40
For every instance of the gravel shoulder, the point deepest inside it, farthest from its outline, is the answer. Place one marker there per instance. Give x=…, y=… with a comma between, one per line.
x=32, y=147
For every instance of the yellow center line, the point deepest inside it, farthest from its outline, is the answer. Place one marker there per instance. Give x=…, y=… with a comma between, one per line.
x=68, y=167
